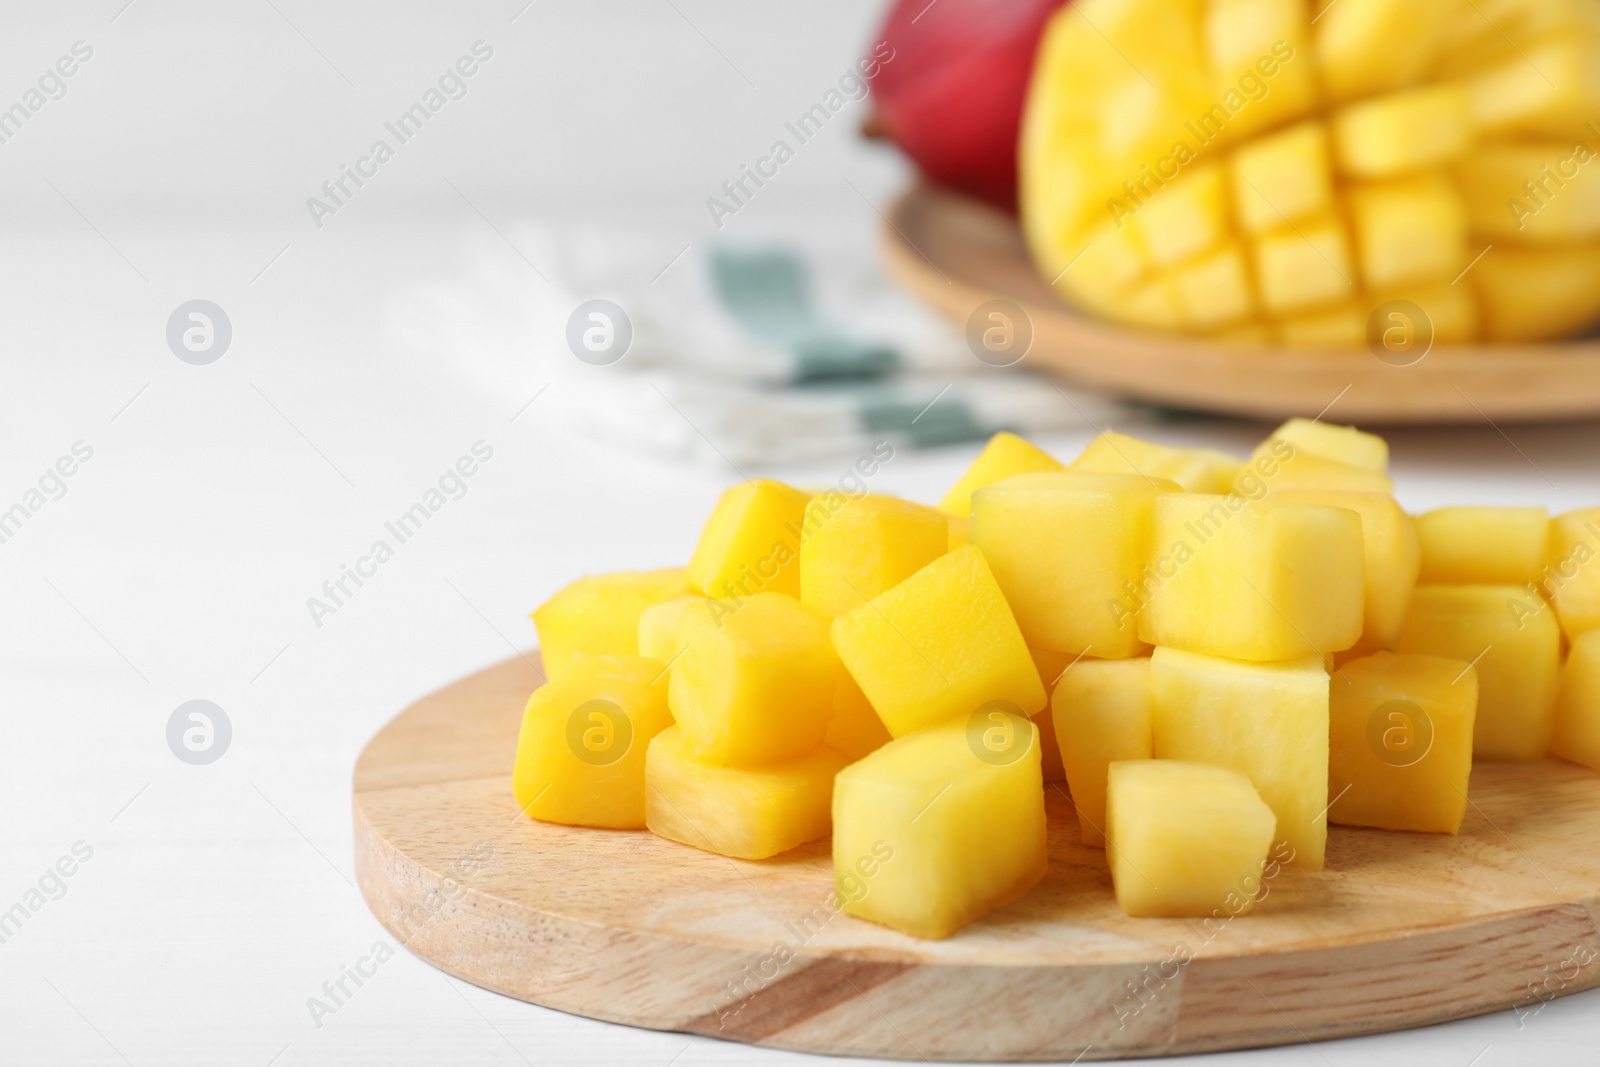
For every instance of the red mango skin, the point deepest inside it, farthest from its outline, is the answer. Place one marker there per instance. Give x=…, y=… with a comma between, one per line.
x=951, y=97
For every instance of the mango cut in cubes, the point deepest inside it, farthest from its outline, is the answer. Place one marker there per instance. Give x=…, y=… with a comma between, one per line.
x=600, y=615
x=1267, y=720
x=1345, y=444
x=1005, y=454
x=1400, y=747
x=748, y=813
x=1253, y=580
x=754, y=680
x=854, y=728
x=751, y=542
x=1194, y=470
x=658, y=626
x=1391, y=558
x=853, y=549
x=1511, y=637
x=1063, y=547
x=938, y=646
x=581, y=751
x=1185, y=839
x=1573, y=575
x=1289, y=466
x=1343, y=151
x=961, y=810
x=1101, y=710
x=1577, y=732
x=1483, y=545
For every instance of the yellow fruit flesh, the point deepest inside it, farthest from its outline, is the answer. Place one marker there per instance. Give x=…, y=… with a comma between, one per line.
x=1572, y=577
x=1253, y=580
x=1577, y=730
x=1349, y=154
x=581, y=751
x=1005, y=454
x=938, y=646
x=658, y=626
x=1483, y=545
x=1400, y=745
x=751, y=542
x=1185, y=839
x=1343, y=443
x=1194, y=470
x=748, y=813
x=1051, y=666
x=1297, y=467
x=600, y=615
x=965, y=833
x=1062, y=546
x=1101, y=710
x=1390, y=559
x=855, y=728
x=1512, y=639
x=852, y=550
x=1268, y=721
x=754, y=682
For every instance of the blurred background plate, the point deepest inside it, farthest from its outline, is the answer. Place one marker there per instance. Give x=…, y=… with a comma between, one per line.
x=957, y=254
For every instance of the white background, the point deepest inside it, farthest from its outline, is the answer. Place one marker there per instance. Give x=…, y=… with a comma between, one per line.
x=219, y=498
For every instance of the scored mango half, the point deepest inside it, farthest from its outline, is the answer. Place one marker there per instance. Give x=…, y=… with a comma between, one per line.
x=1283, y=169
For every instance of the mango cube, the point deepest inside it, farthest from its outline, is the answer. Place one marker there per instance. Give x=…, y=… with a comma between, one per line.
x=1253, y=580
x=1390, y=559
x=1268, y=721
x=1483, y=545
x=600, y=615
x=1185, y=839
x=1102, y=714
x=751, y=542
x=1410, y=229
x=658, y=626
x=938, y=646
x=1282, y=177
x=1346, y=444
x=1005, y=454
x=1062, y=546
x=1573, y=576
x=1400, y=746
x=1577, y=732
x=1402, y=131
x=1354, y=48
x=960, y=532
x=1186, y=219
x=1304, y=266
x=1194, y=470
x=963, y=821
x=1511, y=637
x=581, y=751
x=754, y=680
x=854, y=728
x=748, y=813
x=852, y=550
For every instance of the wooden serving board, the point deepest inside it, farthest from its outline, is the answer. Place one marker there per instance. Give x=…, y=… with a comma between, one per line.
x=1401, y=930
x=956, y=254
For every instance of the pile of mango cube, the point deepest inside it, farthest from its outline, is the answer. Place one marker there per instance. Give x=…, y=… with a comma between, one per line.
x=1215, y=657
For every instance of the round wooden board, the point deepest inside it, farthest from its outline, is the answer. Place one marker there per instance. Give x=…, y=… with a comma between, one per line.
x=956, y=254
x=1401, y=930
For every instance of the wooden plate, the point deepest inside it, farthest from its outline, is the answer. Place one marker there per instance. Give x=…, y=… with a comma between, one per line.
x=956, y=254
x=1401, y=930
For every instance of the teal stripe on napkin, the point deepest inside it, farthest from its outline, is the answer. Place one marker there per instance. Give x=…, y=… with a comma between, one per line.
x=766, y=292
